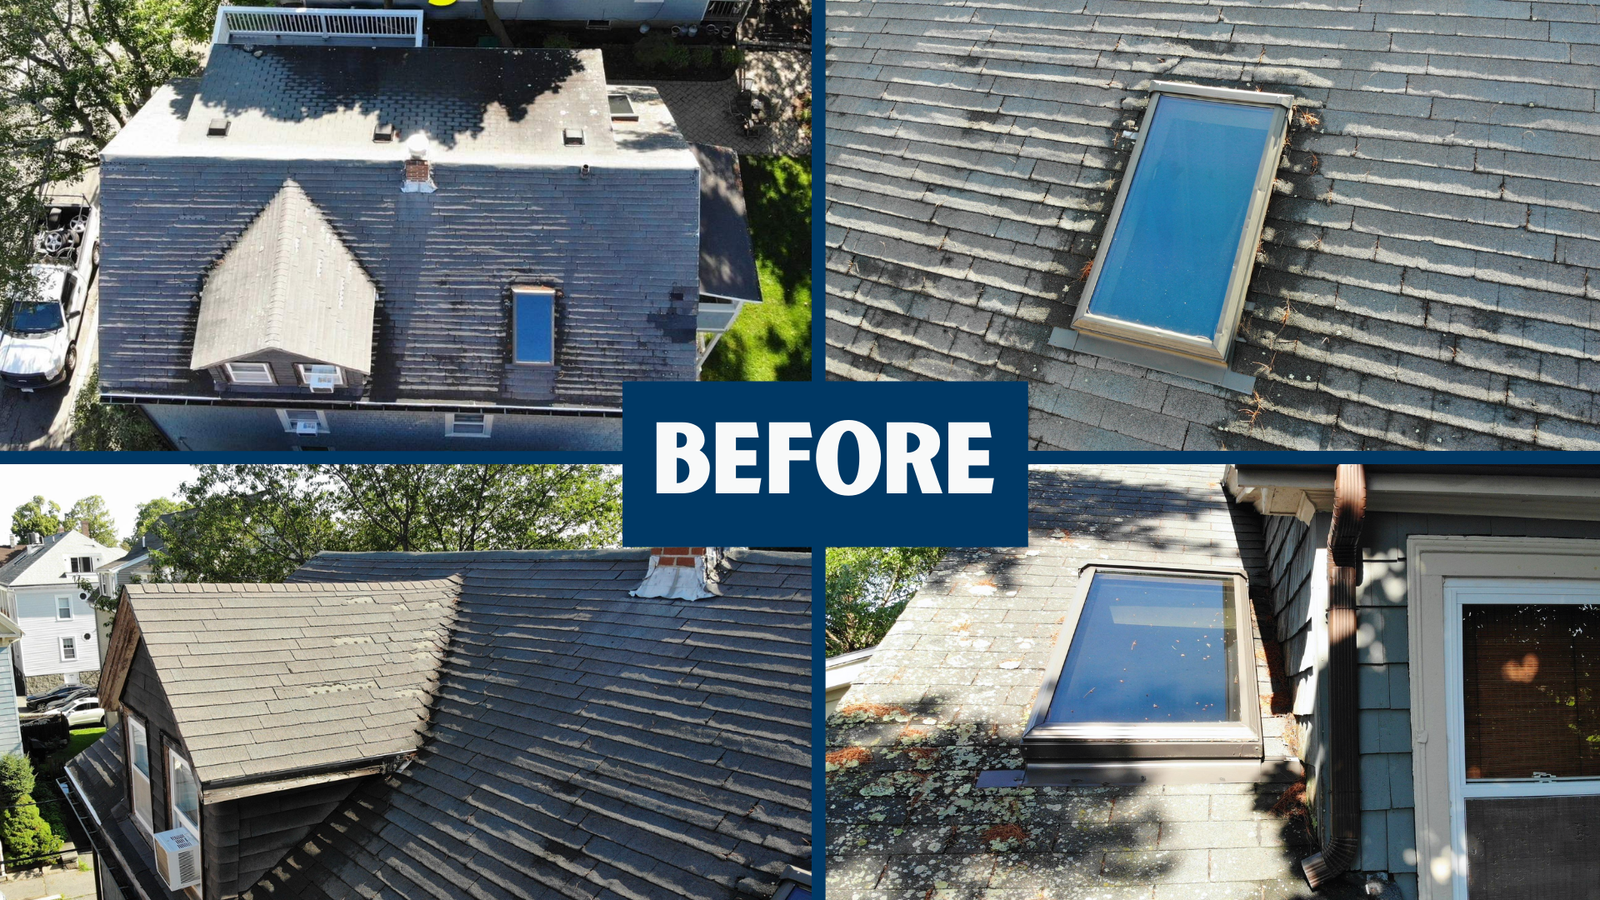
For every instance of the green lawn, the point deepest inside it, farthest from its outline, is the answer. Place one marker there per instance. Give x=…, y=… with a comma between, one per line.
x=771, y=341
x=51, y=766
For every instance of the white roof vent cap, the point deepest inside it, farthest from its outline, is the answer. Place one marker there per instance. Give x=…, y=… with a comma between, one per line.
x=417, y=146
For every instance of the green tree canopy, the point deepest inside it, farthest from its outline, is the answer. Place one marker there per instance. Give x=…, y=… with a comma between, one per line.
x=867, y=588
x=73, y=72
x=146, y=514
x=37, y=515
x=92, y=511
x=260, y=522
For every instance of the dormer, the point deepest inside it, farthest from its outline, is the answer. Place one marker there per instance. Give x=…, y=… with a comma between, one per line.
x=288, y=310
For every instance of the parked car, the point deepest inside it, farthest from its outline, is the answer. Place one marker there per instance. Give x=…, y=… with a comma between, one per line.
x=82, y=711
x=58, y=695
x=39, y=337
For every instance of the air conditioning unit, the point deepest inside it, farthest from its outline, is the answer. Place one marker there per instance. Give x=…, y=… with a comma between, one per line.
x=178, y=859
x=322, y=383
x=306, y=426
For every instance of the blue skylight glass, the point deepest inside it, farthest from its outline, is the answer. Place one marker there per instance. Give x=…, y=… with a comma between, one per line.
x=1185, y=210
x=1152, y=649
x=535, y=323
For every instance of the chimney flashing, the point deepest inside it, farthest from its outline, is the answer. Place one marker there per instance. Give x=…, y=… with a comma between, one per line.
x=679, y=573
x=418, y=177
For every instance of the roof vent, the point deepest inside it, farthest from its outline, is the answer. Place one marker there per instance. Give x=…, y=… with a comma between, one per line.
x=679, y=573
x=217, y=128
x=384, y=133
x=419, y=172
x=572, y=137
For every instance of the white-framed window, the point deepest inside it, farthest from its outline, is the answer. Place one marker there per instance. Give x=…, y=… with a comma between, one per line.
x=308, y=370
x=303, y=421
x=69, y=649
x=249, y=373
x=139, y=770
x=184, y=791
x=82, y=564
x=468, y=425
x=63, y=608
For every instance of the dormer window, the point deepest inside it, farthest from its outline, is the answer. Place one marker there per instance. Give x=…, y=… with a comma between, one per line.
x=533, y=324
x=249, y=373
x=82, y=564
x=321, y=379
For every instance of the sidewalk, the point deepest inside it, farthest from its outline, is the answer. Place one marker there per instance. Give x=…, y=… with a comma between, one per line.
x=69, y=884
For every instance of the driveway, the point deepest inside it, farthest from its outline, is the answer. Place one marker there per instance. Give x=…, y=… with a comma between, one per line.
x=704, y=109
x=43, y=420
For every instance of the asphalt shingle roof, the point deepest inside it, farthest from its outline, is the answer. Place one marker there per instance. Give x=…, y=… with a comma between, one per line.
x=586, y=744
x=20, y=562
x=288, y=284
x=727, y=262
x=620, y=239
x=266, y=678
x=1426, y=273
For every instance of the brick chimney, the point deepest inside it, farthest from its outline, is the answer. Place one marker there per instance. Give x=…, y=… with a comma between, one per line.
x=83, y=528
x=679, y=573
x=419, y=172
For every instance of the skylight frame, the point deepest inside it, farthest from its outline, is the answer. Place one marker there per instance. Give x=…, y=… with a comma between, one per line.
x=1217, y=349
x=1044, y=741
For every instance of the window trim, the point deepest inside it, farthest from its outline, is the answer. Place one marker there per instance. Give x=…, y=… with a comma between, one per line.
x=529, y=289
x=1217, y=349
x=1129, y=742
x=233, y=377
x=146, y=825
x=61, y=647
x=450, y=425
x=70, y=614
x=81, y=565
x=174, y=818
x=300, y=370
x=1430, y=559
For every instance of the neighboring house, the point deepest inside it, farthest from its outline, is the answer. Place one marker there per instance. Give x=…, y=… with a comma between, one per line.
x=424, y=247
x=1412, y=701
x=60, y=643
x=137, y=564
x=462, y=724
x=10, y=721
x=1424, y=278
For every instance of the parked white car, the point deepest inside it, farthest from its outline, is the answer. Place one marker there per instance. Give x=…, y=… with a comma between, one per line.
x=39, y=337
x=84, y=711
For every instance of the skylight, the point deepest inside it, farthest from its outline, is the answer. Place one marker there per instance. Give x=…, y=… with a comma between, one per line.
x=1152, y=658
x=1175, y=261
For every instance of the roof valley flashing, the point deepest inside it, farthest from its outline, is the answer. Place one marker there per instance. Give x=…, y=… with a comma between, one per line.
x=1166, y=287
x=237, y=265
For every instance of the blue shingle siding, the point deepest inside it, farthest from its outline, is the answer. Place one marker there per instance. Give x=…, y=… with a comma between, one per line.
x=1426, y=275
x=10, y=724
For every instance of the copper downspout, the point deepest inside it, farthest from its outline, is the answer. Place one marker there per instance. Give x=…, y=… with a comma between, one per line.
x=1343, y=840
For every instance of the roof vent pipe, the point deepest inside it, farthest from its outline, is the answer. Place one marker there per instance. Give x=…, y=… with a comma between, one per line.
x=36, y=538
x=1343, y=840
x=679, y=573
x=419, y=172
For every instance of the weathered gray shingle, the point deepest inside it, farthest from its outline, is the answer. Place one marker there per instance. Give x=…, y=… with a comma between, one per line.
x=266, y=678
x=1425, y=279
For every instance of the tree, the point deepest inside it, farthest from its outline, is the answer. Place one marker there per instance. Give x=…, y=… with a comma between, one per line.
x=867, y=589
x=146, y=514
x=92, y=510
x=97, y=425
x=496, y=27
x=73, y=72
x=37, y=515
x=261, y=522
x=25, y=835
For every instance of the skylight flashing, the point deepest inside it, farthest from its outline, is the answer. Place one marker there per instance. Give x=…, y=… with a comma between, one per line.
x=1168, y=227
x=1236, y=734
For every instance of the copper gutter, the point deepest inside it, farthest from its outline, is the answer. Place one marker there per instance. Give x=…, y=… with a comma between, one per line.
x=1343, y=839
